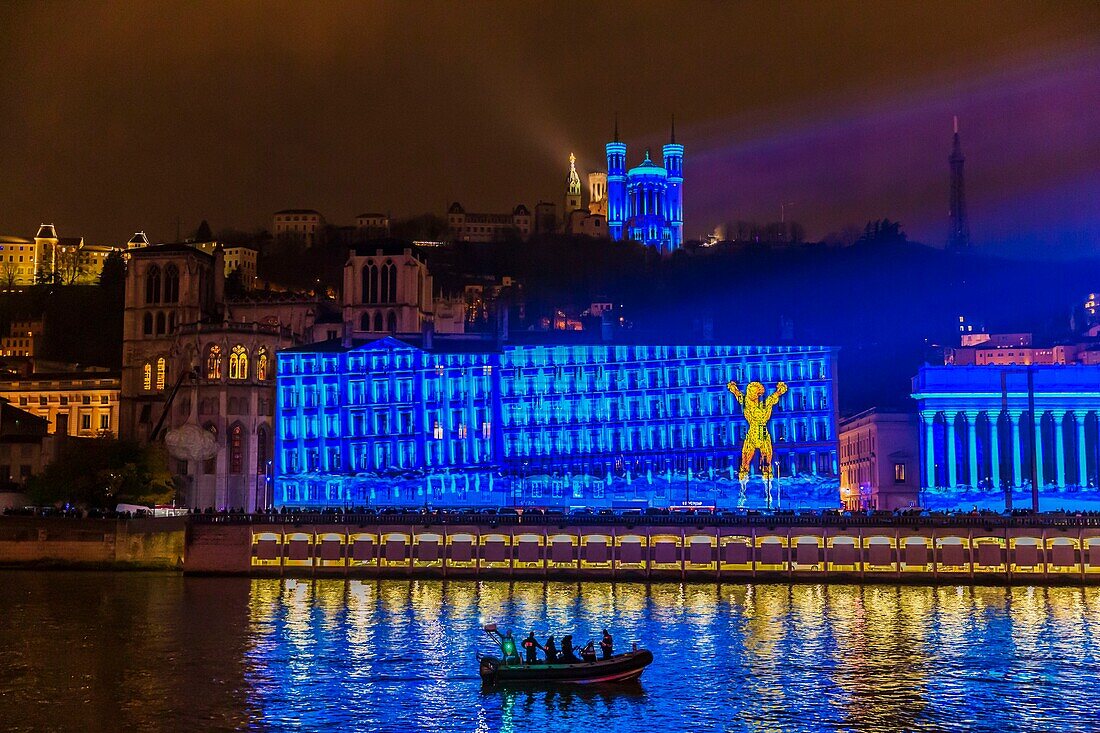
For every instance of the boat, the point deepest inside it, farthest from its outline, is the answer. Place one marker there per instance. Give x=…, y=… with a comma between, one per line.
x=509, y=669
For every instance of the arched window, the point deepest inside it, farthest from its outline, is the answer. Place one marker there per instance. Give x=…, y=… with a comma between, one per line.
x=378, y=321
x=152, y=285
x=147, y=324
x=210, y=465
x=391, y=322
x=364, y=322
x=389, y=282
x=172, y=322
x=160, y=323
x=236, y=449
x=162, y=368
x=171, y=284
x=238, y=363
x=261, y=450
x=214, y=362
x=147, y=377
x=261, y=364
x=370, y=283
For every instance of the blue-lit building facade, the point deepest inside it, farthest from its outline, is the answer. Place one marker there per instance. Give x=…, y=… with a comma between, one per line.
x=979, y=433
x=646, y=203
x=405, y=421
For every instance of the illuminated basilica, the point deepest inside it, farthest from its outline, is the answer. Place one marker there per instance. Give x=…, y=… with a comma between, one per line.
x=646, y=203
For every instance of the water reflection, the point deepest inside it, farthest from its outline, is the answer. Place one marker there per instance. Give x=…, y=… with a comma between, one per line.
x=157, y=652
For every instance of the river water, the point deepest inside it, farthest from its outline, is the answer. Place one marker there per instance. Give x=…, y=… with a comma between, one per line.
x=135, y=651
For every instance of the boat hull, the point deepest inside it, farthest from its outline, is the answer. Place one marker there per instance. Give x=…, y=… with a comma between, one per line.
x=620, y=668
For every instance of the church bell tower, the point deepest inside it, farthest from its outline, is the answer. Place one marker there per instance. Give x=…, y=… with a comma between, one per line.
x=573, y=189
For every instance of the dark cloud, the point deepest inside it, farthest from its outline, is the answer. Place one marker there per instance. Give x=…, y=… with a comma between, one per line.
x=121, y=116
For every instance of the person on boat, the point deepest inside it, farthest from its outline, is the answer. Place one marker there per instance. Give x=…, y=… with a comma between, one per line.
x=588, y=653
x=606, y=645
x=530, y=645
x=551, y=650
x=567, y=654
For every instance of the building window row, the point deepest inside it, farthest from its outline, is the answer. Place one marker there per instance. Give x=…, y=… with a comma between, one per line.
x=238, y=363
x=159, y=324
x=379, y=283
x=162, y=287
x=154, y=374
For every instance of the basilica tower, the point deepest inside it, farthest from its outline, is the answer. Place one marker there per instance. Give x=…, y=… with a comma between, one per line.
x=673, y=160
x=959, y=239
x=616, y=186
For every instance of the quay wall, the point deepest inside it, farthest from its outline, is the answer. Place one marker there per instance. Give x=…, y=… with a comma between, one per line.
x=153, y=544
x=998, y=552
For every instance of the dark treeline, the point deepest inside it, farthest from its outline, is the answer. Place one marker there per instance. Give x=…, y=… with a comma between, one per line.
x=883, y=301
x=82, y=323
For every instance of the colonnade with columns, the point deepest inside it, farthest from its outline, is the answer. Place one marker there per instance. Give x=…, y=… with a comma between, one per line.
x=977, y=429
x=992, y=449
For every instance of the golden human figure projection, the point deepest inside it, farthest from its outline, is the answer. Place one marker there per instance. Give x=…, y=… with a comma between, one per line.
x=757, y=413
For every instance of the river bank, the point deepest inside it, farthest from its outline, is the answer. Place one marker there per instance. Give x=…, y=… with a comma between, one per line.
x=959, y=549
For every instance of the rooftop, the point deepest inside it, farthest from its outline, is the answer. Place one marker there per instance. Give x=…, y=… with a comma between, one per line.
x=156, y=250
x=467, y=343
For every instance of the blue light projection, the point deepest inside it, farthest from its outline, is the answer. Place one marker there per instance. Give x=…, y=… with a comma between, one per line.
x=461, y=423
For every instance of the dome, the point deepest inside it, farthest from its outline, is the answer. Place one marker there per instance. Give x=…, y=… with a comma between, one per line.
x=647, y=168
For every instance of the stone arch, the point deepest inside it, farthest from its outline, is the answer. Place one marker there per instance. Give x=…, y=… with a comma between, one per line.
x=388, y=282
x=235, y=443
x=152, y=284
x=370, y=282
x=214, y=362
x=171, y=284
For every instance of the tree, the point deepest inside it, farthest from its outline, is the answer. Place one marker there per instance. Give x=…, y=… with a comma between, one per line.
x=113, y=276
x=426, y=227
x=102, y=472
x=7, y=274
x=234, y=284
x=70, y=267
x=882, y=231
x=203, y=233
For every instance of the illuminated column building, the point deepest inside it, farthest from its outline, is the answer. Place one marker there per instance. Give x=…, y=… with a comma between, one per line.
x=977, y=430
x=454, y=421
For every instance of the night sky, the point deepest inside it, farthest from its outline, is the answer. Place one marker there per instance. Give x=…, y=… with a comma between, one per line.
x=124, y=116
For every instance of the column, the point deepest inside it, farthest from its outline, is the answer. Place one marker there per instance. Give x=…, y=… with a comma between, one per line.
x=994, y=449
x=1059, y=447
x=1014, y=447
x=952, y=480
x=929, y=419
x=1082, y=456
x=972, y=446
x=1038, y=420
